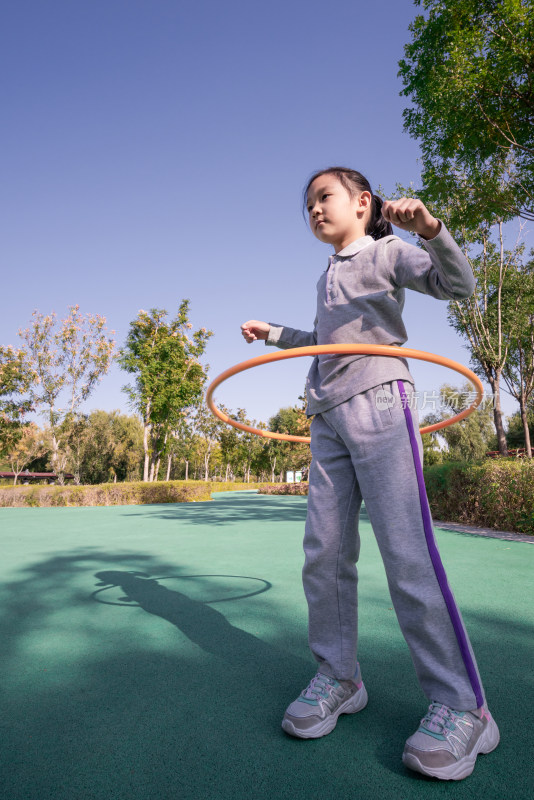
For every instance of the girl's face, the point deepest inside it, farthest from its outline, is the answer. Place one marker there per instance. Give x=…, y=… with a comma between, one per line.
x=337, y=217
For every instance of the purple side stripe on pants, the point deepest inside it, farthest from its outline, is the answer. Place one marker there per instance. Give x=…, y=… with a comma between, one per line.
x=436, y=559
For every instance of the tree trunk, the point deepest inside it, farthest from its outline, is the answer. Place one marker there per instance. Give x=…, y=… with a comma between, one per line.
x=169, y=461
x=145, y=445
x=524, y=420
x=186, y=469
x=494, y=382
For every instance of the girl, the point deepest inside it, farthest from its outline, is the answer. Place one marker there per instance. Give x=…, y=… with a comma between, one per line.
x=366, y=446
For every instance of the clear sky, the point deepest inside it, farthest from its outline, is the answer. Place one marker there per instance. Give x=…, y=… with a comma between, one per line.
x=154, y=150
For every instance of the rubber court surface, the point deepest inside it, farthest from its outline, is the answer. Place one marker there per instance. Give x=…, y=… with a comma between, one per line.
x=150, y=652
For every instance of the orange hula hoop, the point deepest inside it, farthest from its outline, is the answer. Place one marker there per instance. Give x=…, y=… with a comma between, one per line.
x=338, y=349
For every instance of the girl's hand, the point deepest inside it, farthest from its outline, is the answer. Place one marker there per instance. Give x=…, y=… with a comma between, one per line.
x=254, y=329
x=411, y=214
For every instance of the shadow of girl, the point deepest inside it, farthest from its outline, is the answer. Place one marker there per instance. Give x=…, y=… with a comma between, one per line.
x=204, y=625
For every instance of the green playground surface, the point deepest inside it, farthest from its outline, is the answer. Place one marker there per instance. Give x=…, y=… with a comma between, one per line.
x=150, y=652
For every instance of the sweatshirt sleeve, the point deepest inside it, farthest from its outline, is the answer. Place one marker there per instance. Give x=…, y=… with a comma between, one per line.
x=283, y=337
x=440, y=270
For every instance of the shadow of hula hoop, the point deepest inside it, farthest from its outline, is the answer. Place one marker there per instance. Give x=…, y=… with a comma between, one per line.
x=265, y=586
x=342, y=349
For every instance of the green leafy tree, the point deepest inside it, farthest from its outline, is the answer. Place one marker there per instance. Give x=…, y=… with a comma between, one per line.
x=249, y=446
x=292, y=420
x=468, y=72
x=518, y=371
x=105, y=446
x=516, y=429
x=164, y=358
x=15, y=381
x=492, y=318
x=180, y=447
x=207, y=428
x=275, y=456
x=67, y=360
x=467, y=440
x=432, y=452
x=229, y=444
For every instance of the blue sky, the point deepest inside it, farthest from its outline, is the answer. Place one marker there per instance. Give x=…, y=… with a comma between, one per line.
x=156, y=150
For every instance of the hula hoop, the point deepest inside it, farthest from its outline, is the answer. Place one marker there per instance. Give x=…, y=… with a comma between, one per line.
x=337, y=349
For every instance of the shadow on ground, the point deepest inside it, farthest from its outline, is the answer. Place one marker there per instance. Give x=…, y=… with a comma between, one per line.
x=230, y=507
x=132, y=721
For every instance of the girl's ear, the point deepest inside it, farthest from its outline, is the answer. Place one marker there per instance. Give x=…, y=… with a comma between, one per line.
x=365, y=199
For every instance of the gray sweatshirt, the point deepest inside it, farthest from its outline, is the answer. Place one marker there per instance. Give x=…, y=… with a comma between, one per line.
x=360, y=298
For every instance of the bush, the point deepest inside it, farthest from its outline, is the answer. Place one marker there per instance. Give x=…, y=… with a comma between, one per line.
x=105, y=494
x=497, y=493
x=234, y=486
x=285, y=488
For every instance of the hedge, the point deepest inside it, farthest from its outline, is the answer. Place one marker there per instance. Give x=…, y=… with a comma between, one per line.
x=116, y=494
x=285, y=488
x=497, y=493
x=105, y=494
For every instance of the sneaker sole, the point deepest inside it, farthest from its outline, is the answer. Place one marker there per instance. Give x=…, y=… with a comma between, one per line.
x=487, y=742
x=355, y=703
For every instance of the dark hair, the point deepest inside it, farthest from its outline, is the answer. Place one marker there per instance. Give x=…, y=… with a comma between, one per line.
x=354, y=182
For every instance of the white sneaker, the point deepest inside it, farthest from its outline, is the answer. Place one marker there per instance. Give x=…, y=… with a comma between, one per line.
x=315, y=711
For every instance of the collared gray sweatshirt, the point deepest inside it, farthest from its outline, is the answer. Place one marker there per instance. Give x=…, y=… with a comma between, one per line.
x=360, y=298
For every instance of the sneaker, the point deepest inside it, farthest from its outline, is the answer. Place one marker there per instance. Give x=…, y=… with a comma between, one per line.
x=447, y=742
x=315, y=711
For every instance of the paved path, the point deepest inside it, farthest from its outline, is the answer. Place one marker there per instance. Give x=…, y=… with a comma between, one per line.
x=492, y=534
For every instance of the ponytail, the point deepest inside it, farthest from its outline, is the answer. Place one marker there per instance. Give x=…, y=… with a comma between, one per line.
x=378, y=226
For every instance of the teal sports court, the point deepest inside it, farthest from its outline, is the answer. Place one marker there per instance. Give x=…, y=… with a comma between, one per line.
x=150, y=652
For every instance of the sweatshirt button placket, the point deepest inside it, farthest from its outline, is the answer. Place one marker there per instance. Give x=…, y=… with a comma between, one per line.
x=330, y=280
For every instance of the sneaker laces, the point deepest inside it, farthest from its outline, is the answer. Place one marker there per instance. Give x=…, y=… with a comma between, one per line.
x=319, y=687
x=439, y=719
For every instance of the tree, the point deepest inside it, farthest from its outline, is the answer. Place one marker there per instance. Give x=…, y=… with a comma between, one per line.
x=105, y=446
x=207, y=428
x=67, y=361
x=432, y=453
x=180, y=444
x=516, y=430
x=292, y=420
x=15, y=380
x=518, y=372
x=494, y=316
x=491, y=319
x=229, y=444
x=164, y=358
x=468, y=71
x=29, y=445
x=249, y=446
x=468, y=439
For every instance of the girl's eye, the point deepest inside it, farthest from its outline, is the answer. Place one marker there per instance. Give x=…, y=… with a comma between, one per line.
x=325, y=196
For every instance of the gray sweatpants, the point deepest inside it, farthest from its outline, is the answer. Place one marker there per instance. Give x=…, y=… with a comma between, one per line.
x=369, y=448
